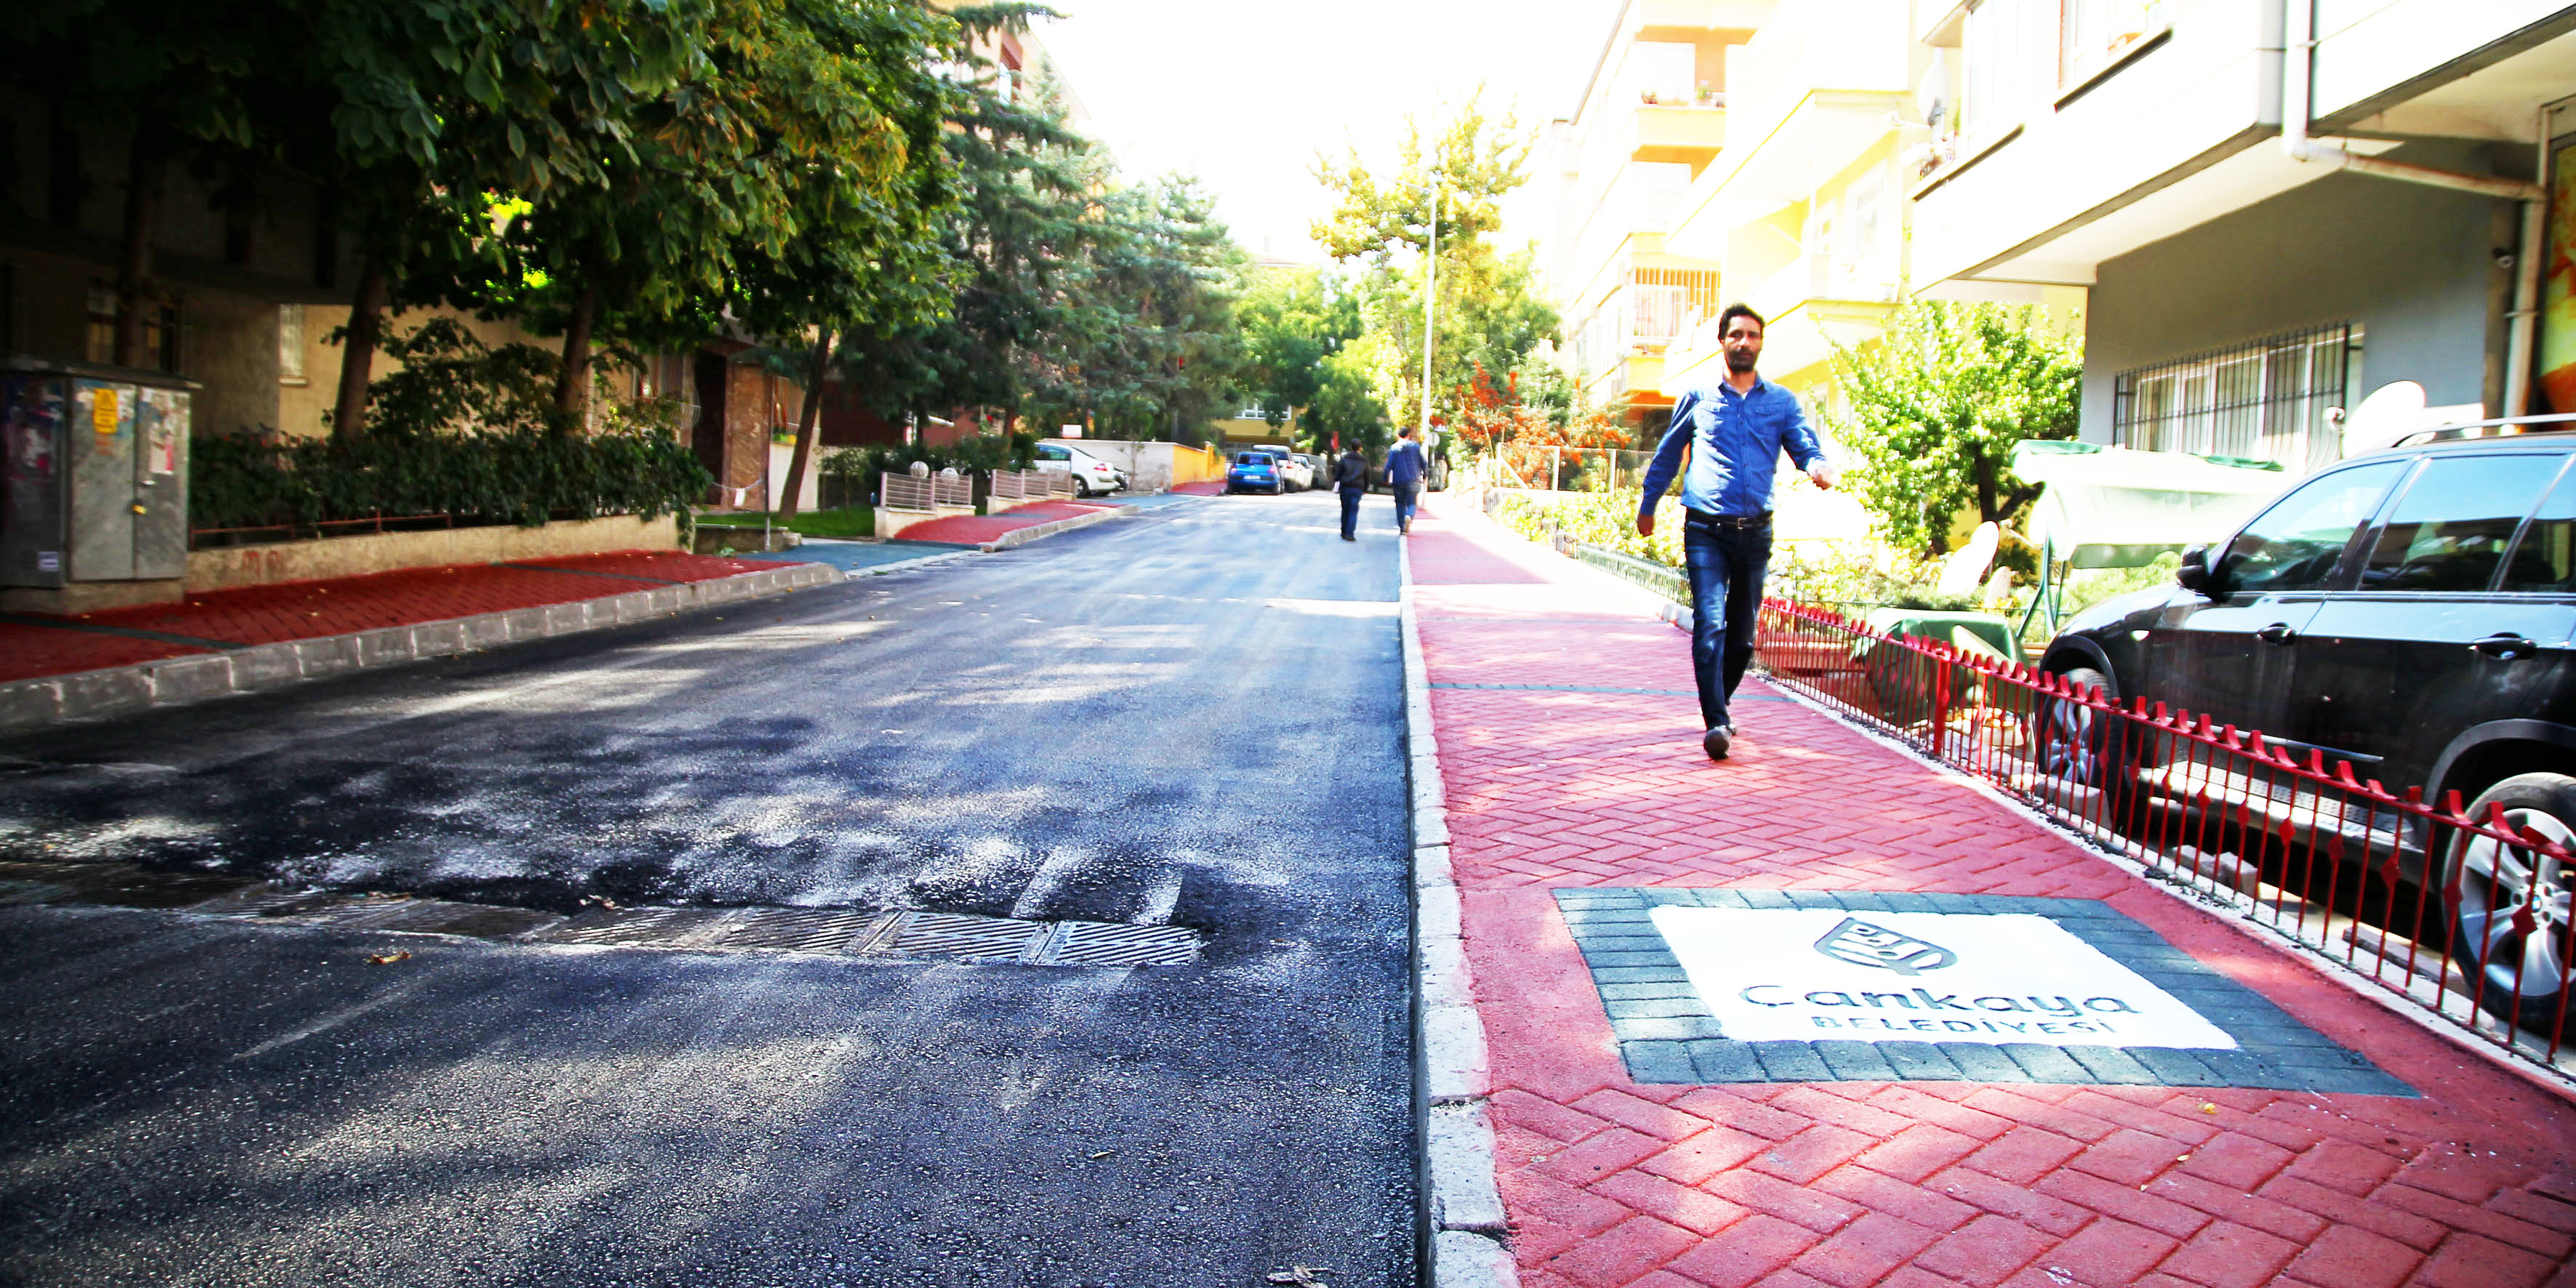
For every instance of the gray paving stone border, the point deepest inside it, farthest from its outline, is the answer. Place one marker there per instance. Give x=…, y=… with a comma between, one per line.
x=120, y=690
x=1465, y=1233
x=1667, y=1035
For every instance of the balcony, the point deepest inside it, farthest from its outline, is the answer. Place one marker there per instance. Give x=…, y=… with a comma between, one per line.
x=1690, y=134
x=1808, y=96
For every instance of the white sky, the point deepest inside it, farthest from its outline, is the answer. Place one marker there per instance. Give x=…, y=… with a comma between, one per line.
x=1243, y=94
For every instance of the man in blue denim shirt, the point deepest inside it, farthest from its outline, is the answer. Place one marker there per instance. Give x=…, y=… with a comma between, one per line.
x=1404, y=471
x=1734, y=433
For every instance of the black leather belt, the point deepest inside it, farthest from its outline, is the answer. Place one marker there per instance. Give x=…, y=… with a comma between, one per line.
x=1734, y=522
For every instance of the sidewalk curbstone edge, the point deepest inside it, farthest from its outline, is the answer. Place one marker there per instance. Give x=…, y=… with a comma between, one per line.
x=1468, y=1236
x=1041, y=531
x=166, y=682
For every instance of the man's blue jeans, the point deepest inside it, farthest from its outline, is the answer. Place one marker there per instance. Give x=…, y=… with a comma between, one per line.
x=1727, y=566
x=1351, y=510
x=1404, y=496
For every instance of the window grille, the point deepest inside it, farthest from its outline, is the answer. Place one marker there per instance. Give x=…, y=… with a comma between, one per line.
x=2265, y=400
x=1669, y=301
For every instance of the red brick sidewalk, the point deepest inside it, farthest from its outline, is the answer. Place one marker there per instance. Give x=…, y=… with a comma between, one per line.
x=975, y=529
x=1612, y=1181
x=314, y=609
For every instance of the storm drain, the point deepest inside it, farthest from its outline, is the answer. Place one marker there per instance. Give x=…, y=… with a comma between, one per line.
x=838, y=932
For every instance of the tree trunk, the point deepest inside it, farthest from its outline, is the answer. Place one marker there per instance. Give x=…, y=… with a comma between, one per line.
x=136, y=295
x=805, y=425
x=572, y=388
x=1987, y=502
x=358, y=352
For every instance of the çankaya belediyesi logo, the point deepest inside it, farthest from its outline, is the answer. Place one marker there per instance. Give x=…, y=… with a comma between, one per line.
x=1862, y=944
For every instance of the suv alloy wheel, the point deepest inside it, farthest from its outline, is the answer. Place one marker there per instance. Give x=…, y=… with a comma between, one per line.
x=2509, y=933
x=2072, y=740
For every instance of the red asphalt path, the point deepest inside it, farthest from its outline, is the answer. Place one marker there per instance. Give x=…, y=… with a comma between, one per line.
x=30, y=648
x=1792, y=1185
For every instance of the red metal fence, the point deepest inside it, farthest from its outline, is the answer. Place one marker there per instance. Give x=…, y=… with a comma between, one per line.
x=2468, y=918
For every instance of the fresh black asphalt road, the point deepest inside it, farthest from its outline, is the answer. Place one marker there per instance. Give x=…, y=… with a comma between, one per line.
x=1192, y=717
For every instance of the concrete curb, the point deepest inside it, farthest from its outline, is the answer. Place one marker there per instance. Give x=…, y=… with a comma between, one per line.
x=1464, y=1211
x=1041, y=531
x=88, y=695
x=907, y=565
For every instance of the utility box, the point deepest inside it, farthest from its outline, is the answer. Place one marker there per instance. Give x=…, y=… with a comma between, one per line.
x=93, y=486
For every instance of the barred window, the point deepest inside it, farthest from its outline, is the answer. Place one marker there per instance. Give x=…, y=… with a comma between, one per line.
x=2263, y=400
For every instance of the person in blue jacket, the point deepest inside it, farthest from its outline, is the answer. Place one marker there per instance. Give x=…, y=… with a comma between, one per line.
x=1733, y=433
x=1404, y=470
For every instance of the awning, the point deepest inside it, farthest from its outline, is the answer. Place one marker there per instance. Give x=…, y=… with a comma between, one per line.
x=2112, y=507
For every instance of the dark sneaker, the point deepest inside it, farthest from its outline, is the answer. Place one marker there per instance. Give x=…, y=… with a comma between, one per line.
x=1716, y=741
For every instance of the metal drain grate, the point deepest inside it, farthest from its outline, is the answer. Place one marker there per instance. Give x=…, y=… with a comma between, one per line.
x=837, y=932
x=962, y=936
x=634, y=927
x=805, y=930
x=1095, y=943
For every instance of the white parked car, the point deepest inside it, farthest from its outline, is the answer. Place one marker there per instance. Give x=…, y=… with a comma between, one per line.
x=1092, y=476
x=1293, y=477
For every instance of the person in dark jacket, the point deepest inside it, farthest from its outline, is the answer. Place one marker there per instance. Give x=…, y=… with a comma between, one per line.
x=1350, y=475
x=1404, y=470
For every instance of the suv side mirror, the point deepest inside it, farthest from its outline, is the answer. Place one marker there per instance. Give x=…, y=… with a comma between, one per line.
x=2195, y=575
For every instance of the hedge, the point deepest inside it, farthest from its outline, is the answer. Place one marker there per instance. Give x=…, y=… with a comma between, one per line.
x=524, y=477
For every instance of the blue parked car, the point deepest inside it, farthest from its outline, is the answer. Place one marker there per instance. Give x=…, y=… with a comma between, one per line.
x=1254, y=472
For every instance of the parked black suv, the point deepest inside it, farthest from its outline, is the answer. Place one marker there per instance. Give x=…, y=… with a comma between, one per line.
x=2409, y=611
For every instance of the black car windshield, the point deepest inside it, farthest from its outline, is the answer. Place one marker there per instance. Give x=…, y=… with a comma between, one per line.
x=2296, y=544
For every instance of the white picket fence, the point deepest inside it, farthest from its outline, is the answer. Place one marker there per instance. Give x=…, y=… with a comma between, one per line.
x=904, y=492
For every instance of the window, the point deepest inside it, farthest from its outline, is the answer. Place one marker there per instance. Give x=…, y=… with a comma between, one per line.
x=2093, y=34
x=160, y=331
x=290, y=344
x=1997, y=63
x=2545, y=559
x=1051, y=452
x=2263, y=400
x=101, y=346
x=2296, y=544
x=2450, y=528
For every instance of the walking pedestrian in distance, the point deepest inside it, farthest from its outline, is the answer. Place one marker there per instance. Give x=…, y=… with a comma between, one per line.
x=1733, y=433
x=1350, y=476
x=1404, y=470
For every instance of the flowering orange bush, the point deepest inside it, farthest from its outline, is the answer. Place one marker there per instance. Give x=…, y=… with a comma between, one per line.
x=1494, y=421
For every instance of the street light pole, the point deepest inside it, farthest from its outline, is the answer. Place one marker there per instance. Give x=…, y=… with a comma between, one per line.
x=1430, y=296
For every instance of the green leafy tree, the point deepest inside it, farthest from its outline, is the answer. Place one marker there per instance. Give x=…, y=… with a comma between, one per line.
x=1007, y=248
x=1298, y=328
x=1930, y=412
x=1163, y=350
x=1488, y=313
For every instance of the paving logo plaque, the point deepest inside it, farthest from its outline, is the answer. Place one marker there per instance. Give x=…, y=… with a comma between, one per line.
x=1721, y=985
x=1796, y=974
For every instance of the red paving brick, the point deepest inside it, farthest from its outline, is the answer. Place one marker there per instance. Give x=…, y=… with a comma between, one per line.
x=1903, y=1185
x=341, y=606
x=974, y=529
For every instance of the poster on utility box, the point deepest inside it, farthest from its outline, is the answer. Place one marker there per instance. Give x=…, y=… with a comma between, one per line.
x=1811, y=975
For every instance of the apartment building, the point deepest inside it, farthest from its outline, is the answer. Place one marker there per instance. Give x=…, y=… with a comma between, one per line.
x=2275, y=207
x=1653, y=118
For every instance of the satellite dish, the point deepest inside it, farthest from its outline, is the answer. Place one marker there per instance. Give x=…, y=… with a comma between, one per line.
x=1964, y=571
x=2391, y=412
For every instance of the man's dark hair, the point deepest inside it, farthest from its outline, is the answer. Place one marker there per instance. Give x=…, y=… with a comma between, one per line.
x=1734, y=311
